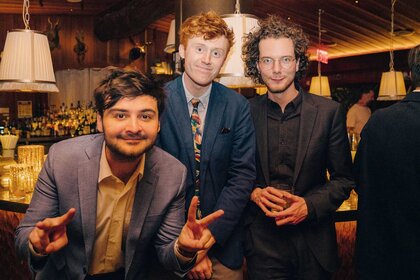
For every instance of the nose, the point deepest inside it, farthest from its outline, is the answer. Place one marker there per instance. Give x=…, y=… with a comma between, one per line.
x=133, y=125
x=276, y=66
x=206, y=57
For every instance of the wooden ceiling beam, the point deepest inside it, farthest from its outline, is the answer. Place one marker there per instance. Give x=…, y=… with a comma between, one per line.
x=131, y=19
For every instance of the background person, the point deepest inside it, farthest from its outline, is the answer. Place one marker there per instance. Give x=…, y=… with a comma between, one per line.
x=388, y=184
x=136, y=59
x=359, y=113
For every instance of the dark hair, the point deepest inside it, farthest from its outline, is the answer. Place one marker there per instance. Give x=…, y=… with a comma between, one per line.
x=135, y=53
x=275, y=27
x=365, y=89
x=126, y=84
x=414, y=65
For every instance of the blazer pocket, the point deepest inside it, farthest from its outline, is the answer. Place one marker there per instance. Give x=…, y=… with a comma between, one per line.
x=225, y=130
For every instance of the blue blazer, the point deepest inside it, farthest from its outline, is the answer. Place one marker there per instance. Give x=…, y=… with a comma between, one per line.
x=69, y=178
x=227, y=168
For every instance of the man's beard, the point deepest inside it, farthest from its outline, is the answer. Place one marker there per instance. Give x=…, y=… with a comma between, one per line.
x=280, y=90
x=121, y=155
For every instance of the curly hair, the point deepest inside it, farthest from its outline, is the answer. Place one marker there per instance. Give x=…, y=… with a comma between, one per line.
x=209, y=25
x=122, y=83
x=414, y=65
x=275, y=27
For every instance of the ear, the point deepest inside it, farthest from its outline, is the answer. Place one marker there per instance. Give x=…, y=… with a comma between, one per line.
x=297, y=64
x=99, y=125
x=181, y=50
x=158, y=130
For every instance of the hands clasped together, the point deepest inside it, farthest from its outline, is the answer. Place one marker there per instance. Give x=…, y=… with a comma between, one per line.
x=284, y=207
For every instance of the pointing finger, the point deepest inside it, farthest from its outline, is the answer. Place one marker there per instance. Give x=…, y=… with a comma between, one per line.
x=63, y=220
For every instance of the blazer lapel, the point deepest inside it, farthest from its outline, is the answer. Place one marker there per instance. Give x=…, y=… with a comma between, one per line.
x=307, y=120
x=88, y=172
x=144, y=194
x=214, y=116
x=181, y=117
x=260, y=121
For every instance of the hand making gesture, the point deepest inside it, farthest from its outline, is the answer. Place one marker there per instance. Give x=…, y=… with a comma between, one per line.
x=195, y=234
x=50, y=235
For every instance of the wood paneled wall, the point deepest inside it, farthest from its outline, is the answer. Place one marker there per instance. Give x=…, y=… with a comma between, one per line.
x=99, y=54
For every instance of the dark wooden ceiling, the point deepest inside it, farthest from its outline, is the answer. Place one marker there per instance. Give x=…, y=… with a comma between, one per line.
x=350, y=27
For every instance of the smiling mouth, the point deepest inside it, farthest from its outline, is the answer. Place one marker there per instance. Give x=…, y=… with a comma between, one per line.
x=277, y=79
x=204, y=69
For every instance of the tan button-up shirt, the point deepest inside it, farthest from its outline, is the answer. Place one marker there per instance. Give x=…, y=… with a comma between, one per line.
x=113, y=214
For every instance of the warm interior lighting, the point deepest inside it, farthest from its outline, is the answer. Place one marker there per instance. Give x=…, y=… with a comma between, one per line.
x=392, y=85
x=26, y=63
x=232, y=73
x=170, y=42
x=320, y=84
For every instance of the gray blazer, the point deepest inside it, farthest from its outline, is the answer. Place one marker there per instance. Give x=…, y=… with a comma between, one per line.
x=69, y=179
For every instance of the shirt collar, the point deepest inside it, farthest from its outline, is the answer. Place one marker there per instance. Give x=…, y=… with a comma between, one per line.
x=204, y=99
x=105, y=169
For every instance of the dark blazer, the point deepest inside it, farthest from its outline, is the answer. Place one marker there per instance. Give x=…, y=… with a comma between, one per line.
x=69, y=178
x=388, y=183
x=322, y=146
x=227, y=168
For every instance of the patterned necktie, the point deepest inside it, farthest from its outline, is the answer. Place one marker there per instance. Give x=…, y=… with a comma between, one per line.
x=196, y=133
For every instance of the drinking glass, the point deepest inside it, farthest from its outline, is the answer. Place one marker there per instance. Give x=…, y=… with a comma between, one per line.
x=21, y=182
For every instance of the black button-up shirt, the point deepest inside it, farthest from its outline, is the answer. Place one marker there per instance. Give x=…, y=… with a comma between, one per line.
x=283, y=136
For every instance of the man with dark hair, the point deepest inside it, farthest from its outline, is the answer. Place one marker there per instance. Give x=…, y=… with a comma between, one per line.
x=208, y=127
x=359, y=113
x=136, y=59
x=103, y=202
x=300, y=136
x=388, y=183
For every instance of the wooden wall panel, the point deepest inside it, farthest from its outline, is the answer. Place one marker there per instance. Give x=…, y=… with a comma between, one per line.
x=99, y=54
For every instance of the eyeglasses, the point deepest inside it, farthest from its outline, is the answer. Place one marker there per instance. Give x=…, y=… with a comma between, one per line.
x=268, y=62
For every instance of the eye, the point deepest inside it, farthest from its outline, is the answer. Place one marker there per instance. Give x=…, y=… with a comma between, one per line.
x=199, y=49
x=146, y=116
x=267, y=60
x=120, y=116
x=287, y=59
x=217, y=53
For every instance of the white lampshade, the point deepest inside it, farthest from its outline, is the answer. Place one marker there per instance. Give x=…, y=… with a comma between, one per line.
x=26, y=64
x=320, y=86
x=392, y=86
x=232, y=73
x=170, y=42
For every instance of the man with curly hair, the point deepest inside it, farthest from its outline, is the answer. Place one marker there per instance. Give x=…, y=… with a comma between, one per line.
x=290, y=231
x=208, y=127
